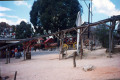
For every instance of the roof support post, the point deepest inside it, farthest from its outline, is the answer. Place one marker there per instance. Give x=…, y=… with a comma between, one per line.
x=81, y=41
x=9, y=54
x=6, y=55
x=61, y=55
x=112, y=42
x=24, y=52
x=110, y=30
x=111, y=46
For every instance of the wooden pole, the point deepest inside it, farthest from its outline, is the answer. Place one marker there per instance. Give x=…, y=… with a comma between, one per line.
x=61, y=46
x=91, y=11
x=111, y=28
x=9, y=54
x=74, y=59
x=24, y=54
x=62, y=42
x=110, y=31
x=112, y=42
x=89, y=21
x=6, y=56
x=60, y=50
x=15, y=75
x=0, y=74
x=81, y=48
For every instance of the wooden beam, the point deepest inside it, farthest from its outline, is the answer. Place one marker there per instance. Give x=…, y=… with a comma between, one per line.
x=84, y=30
x=106, y=25
x=56, y=36
x=75, y=29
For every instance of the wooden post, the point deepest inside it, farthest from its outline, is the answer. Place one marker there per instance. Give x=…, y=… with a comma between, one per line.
x=24, y=53
x=15, y=75
x=9, y=54
x=89, y=21
x=110, y=31
x=74, y=59
x=60, y=50
x=6, y=56
x=0, y=74
x=111, y=28
x=81, y=48
x=61, y=46
x=112, y=42
x=61, y=55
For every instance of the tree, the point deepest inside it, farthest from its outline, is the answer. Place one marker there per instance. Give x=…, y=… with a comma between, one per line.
x=118, y=28
x=4, y=25
x=49, y=16
x=102, y=32
x=13, y=28
x=23, y=30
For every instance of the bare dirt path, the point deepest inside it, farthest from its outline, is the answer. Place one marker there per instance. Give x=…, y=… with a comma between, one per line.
x=49, y=67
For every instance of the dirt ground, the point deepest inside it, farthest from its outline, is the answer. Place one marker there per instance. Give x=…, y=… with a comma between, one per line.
x=49, y=67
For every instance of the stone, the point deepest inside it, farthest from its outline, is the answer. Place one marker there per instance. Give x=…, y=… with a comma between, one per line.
x=88, y=68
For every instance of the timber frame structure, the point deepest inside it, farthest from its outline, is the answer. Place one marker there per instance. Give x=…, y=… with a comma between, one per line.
x=60, y=34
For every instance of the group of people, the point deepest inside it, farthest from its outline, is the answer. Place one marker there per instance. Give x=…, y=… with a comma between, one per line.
x=12, y=52
x=16, y=52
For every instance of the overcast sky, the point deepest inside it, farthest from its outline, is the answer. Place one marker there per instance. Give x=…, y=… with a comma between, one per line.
x=13, y=12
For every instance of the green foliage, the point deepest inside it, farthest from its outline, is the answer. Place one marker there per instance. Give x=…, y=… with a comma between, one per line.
x=13, y=28
x=102, y=32
x=54, y=15
x=4, y=25
x=118, y=29
x=23, y=30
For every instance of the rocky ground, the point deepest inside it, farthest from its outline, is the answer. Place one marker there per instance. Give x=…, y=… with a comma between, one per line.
x=45, y=65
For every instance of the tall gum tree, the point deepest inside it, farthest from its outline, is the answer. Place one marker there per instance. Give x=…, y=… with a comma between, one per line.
x=53, y=15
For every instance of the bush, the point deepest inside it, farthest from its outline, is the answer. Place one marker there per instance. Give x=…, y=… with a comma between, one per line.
x=102, y=33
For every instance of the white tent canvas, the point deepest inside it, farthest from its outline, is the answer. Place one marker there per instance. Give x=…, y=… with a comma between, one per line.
x=78, y=23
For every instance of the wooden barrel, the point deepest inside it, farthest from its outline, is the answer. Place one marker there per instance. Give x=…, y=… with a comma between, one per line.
x=28, y=55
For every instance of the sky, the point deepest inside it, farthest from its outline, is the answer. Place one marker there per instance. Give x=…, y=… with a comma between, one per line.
x=13, y=12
